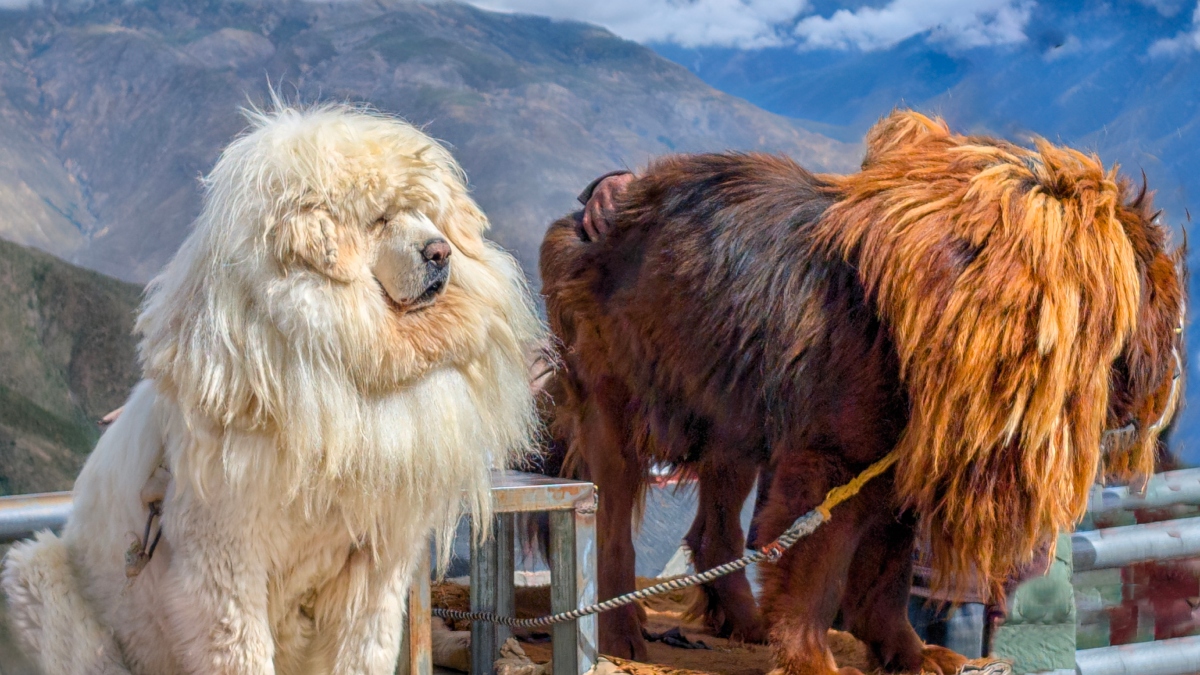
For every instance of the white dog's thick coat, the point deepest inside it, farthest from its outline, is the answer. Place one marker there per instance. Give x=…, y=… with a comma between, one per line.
x=315, y=433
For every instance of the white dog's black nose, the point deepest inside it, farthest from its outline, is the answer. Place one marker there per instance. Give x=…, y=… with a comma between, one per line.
x=437, y=251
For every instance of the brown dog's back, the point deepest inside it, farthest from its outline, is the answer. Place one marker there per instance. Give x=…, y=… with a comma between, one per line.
x=710, y=301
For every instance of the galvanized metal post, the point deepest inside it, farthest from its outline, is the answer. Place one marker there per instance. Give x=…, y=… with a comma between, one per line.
x=588, y=647
x=1120, y=546
x=484, y=650
x=1164, y=489
x=563, y=594
x=505, y=567
x=23, y=515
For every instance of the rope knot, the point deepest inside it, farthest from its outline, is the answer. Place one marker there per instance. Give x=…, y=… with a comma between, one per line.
x=773, y=551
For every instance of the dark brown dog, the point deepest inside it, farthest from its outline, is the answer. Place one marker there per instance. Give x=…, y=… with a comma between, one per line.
x=984, y=309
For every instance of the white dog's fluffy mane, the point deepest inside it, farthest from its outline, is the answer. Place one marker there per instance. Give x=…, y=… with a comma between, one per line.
x=252, y=334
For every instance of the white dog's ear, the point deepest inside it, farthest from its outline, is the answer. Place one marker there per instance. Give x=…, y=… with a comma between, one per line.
x=307, y=236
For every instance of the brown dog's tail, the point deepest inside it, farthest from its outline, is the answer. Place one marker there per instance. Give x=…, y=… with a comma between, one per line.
x=53, y=621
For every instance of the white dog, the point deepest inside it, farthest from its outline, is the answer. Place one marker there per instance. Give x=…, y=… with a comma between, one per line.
x=334, y=358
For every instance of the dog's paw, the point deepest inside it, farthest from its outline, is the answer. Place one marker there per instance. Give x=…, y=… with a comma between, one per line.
x=451, y=648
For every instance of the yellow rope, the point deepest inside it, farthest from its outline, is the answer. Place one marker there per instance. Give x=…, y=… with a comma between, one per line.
x=841, y=493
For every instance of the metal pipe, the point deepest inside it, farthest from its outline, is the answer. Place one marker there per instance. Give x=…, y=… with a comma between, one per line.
x=23, y=515
x=1121, y=546
x=1164, y=489
x=1178, y=656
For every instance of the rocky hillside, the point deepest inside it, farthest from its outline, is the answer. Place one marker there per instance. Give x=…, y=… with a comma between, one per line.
x=110, y=111
x=68, y=357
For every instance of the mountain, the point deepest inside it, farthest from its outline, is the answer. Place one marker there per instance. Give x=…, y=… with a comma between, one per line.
x=110, y=110
x=66, y=342
x=1089, y=75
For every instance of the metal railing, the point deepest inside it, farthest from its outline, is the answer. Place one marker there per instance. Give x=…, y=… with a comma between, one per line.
x=1116, y=547
x=23, y=515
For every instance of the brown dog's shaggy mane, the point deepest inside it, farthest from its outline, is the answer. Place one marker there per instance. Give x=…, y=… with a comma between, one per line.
x=1012, y=281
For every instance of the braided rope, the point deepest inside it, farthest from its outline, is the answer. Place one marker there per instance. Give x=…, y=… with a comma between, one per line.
x=802, y=527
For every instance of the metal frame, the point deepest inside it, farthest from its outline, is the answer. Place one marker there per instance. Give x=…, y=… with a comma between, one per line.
x=572, y=508
x=1129, y=544
x=1177, y=656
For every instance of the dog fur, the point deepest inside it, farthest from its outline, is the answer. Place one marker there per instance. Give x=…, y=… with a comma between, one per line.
x=986, y=309
x=321, y=400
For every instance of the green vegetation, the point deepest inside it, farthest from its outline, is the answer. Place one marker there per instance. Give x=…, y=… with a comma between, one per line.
x=69, y=358
x=24, y=416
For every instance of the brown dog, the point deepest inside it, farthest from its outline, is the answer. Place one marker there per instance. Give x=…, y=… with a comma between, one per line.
x=986, y=310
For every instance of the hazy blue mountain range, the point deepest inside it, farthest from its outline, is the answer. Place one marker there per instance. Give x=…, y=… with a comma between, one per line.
x=1085, y=77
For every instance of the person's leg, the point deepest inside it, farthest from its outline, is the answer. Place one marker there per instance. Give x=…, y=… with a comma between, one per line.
x=963, y=629
x=922, y=615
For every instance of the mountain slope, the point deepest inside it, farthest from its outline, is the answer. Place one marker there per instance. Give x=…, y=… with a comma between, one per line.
x=66, y=342
x=119, y=107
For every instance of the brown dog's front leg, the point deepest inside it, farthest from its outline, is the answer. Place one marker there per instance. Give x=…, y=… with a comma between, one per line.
x=876, y=610
x=803, y=591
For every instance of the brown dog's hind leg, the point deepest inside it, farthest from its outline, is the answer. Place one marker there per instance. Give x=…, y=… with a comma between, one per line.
x=875, y=608
x=612, y=465
x=715, y=538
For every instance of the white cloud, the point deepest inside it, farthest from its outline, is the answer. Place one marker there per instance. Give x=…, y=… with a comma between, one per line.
x=15, y=4
x=1167, y=8
x=747, y=24
x=1185, y=41
x=959, y=23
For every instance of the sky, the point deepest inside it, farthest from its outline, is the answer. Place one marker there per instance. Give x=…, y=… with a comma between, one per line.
x=753, y=24
x=864, y=25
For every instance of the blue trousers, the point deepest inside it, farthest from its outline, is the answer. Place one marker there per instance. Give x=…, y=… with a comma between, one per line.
x=959, y=628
